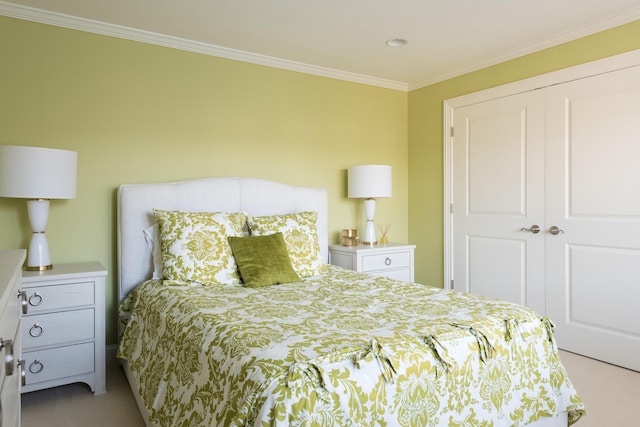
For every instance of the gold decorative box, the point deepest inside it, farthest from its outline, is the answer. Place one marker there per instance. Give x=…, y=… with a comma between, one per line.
x=349, y=237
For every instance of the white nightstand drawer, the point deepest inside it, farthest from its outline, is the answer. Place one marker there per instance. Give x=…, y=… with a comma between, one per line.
x=386, y=261
x=47, y=298
x=57, y=328
x=60, y=362
x=392, y=260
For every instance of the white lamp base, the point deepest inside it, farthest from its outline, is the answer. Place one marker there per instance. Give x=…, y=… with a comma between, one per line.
x=38, y=257
x=370, y=228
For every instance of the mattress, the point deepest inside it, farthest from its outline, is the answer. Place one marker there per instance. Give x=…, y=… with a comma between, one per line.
x=341, y=348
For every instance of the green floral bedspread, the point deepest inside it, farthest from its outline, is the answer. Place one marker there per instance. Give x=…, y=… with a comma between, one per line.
x=340, y=349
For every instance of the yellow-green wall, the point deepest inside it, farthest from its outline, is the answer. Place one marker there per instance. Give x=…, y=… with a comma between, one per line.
x=141, y=113
x=426, y=131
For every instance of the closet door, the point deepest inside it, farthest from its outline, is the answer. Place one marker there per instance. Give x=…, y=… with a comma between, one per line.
x=498, y=195
x=593, y=198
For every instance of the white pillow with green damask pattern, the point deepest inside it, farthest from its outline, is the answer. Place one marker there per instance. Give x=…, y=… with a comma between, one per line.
x=195, y=246
x=300, y=233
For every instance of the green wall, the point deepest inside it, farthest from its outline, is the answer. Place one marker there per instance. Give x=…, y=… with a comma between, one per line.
x=141, y=113
x=426, y=140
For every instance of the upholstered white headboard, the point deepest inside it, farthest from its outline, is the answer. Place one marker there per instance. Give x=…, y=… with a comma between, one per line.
x=225, y=194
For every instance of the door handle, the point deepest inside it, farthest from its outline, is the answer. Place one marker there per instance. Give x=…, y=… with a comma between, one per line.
x=534, y=229
x=555, y=230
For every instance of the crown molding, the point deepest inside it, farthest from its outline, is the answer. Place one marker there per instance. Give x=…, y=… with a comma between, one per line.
x=82, y=24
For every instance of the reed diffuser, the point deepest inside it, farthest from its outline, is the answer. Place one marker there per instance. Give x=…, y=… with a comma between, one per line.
x=384, y=229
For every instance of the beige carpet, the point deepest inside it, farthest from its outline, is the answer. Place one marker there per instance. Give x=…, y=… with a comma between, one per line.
x=611, y=394
x=74, y=405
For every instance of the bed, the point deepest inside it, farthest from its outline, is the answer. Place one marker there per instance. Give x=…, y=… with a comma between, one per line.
x=294, y=341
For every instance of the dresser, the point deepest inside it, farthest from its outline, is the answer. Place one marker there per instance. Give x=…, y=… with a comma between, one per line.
x=10, y=370
x=63, y=335
x=392, y=260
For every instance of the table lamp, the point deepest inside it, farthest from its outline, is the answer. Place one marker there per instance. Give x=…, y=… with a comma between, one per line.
x=37, y=174
x=369, y=182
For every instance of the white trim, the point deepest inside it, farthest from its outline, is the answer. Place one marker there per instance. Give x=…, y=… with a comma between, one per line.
x=448, y=196
x=82, y=24
x=612, y=63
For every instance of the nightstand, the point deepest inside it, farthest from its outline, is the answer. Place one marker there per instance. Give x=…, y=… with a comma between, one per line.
x=391, y=260
x=63, y=336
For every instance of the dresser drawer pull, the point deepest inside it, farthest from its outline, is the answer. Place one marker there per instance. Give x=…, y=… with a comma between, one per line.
x=23, y=373
x=387, y=261
x=8, y=356
x=36, y=330
x=36, y=366
x=35, y=299
x=23, y=301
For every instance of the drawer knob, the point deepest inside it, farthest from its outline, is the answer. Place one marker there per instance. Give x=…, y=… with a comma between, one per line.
x=35, y=299
x=8, y=356
x=36, y=330
x=23, y=301
x=387, y=261
x=36, y=366
x=23, y=372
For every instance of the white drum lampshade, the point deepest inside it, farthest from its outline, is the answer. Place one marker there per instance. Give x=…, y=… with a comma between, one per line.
x=369, y=182
x=37, y=174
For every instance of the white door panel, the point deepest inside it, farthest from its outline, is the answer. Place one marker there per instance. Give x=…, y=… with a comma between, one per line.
x=497, y=268
x=593, y=194
x=498, y=189
x=603, y=128
x=496, y=159
x=591, y=302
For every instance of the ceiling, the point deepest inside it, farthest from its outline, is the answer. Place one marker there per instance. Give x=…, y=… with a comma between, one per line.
x=343, y=38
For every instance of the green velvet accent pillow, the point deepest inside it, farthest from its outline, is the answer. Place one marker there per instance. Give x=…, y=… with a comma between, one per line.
x=263, y=260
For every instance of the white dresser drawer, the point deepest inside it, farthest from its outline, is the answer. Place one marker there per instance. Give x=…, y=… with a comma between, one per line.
x=47, y=298
x=57, y=328
x=59, y=362
x=10, y=381
x=10, y=278
x=386, y=261
x=9, y=323
x=9, y=398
